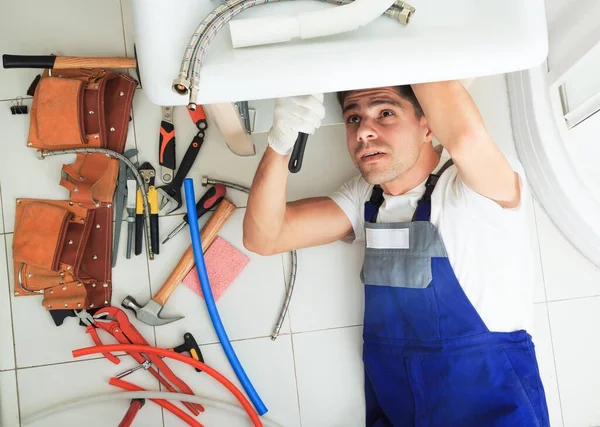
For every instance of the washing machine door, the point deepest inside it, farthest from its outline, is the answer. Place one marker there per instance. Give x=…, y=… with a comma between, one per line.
x=555, y=111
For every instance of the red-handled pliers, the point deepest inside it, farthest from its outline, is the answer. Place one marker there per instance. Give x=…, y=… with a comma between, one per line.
x=114, y=321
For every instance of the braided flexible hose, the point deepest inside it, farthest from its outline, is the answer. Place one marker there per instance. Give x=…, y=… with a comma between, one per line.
x=48, y=153
x=188, y=80
x=290, y=290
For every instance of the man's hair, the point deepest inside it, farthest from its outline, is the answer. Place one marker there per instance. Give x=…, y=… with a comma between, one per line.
x=405, y=91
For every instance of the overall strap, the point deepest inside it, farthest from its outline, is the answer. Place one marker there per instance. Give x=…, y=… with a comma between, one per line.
x=423, y=211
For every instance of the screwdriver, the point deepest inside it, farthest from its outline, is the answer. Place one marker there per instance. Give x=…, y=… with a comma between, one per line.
x=209, y=200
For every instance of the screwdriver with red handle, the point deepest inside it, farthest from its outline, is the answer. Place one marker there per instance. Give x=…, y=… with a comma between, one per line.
x=209, y=200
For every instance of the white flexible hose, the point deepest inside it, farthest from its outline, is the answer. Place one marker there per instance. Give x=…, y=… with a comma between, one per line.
x=320, y=23
x=129, y=395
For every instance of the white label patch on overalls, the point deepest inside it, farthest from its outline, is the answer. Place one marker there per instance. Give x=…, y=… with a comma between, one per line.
x=397, y=238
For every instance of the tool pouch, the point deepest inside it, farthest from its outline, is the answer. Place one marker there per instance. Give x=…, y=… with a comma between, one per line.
x=81, y=108
x=63, y=249
x=91, y=179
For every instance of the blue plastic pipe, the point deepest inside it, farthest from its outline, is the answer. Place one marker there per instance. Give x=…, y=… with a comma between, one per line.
x=190, y=201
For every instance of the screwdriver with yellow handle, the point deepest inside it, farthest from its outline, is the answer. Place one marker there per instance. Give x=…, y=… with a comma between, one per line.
x=139, y=222
x=153, y=202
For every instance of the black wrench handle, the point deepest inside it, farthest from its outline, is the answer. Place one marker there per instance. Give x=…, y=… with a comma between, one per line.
x=188, y=160
x=295, y=163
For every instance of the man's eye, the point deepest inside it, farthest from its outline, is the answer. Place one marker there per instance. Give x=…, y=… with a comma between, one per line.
x=387, y=113
x=353, y=119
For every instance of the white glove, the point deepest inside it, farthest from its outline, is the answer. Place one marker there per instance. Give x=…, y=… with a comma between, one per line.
x=294, y=115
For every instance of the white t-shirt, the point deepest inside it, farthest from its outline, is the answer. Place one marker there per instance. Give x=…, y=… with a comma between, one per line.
x=489, y=247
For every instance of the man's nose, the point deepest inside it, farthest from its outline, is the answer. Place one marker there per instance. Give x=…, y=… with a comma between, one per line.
x=366, y=132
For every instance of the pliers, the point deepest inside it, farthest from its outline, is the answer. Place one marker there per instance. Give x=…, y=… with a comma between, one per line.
x=114, y=321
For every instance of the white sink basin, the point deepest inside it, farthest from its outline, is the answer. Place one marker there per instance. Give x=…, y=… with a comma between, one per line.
x=444, y=40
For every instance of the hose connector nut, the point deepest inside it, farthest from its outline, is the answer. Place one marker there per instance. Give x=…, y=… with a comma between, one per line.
x=181, y=85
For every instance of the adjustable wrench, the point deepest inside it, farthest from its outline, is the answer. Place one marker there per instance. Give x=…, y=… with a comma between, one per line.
x=170, y=194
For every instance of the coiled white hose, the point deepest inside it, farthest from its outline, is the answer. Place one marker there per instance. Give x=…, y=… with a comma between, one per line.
x=129, y=395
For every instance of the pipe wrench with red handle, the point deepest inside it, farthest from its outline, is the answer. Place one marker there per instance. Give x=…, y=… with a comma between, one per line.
x=114, y=321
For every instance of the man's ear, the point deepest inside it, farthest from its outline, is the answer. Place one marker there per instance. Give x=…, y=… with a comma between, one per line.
x=424, y=124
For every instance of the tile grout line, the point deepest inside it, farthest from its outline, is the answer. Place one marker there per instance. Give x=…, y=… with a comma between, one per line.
x=289, y=320
x=535, y=217
x=2, y=213
x=296, y=379
x=12, y=322
x=64, y=362
x=573, y=298
x=562, y=415
x=539, y=246
x=326, y=329
x=123, y=28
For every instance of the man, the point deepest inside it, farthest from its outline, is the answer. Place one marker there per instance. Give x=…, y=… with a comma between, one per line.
x=447, y=268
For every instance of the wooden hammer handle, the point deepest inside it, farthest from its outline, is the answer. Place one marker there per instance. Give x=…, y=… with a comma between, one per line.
x=208, y=235
x=65, y=62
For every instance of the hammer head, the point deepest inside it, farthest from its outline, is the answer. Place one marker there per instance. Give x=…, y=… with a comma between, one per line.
x=149, y=313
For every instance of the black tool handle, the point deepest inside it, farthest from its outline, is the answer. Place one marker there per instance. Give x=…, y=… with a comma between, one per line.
x=28, y=61
x=154, y=238
x=211, y=198
x=139, y=233
x=191, y=346
x=188, y=160
x=298, y=154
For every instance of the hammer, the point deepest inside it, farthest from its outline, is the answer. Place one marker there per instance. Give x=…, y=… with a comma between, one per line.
x=150, y=313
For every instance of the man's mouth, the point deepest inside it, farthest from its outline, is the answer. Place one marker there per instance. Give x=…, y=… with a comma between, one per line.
x=370, y=156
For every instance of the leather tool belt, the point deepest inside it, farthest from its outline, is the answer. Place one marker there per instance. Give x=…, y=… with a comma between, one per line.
x=63, y=249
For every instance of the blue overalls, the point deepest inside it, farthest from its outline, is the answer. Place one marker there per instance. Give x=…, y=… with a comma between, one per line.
x=429, y=358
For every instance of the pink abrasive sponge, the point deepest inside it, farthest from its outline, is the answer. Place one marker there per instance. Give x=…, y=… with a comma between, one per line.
x=223, y=264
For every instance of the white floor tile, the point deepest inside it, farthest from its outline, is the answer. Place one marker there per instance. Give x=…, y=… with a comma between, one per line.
x=330, y=377
x=34, y=328
x=269, y=366
x=574, y=326
x=1, y=212
x=127, y=15
x=36, y=27
x=567, y=273
x=7, y=355
x=328, y=291
x=543, y=349
x=539, y=288
x=326, y=165
x=9, y=406
x=249, y=308
x=45, y=386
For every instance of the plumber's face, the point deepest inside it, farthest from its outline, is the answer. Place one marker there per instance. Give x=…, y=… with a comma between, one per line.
x=383, y=133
